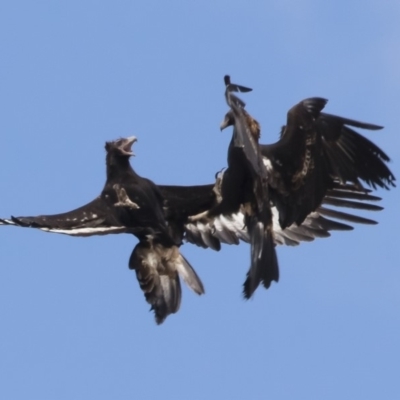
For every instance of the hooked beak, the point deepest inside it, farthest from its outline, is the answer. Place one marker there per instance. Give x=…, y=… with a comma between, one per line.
x=226, y=122
x=127, y=146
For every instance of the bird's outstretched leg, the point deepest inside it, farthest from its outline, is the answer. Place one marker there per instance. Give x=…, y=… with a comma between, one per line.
x=203, y=216
x=217, y=189
x=123, y=198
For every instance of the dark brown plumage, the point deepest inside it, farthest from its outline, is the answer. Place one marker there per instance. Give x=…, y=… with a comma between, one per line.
x=156, y=258
x=281, y=193
x=315, y=153
x=244, y=188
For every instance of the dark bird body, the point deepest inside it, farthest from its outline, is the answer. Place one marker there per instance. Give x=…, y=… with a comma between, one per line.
x=156, y=258
x=244, y=187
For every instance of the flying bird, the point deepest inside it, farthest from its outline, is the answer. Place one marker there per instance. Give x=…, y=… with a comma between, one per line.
x=138, y=205
x=319, y=160
x=244, y=187
x=132, y=204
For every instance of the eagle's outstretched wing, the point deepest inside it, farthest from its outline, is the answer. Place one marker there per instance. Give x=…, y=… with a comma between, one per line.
x=315, y=151
x=94, y=218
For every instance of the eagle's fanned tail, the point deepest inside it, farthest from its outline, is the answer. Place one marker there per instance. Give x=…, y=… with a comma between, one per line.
x=157, y=270
x=264, y=262
x=161, y=287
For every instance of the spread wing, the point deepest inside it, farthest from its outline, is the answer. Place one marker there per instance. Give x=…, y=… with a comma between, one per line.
x=315, y=151
x=94, y=218
x=350, y=155
x=329, y=216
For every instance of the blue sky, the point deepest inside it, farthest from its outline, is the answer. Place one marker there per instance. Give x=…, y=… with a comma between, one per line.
x=74, y=324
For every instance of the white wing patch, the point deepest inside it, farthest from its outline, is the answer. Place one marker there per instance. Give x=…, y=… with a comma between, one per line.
x=267, y=164
x=77, y=231
x=232, y=230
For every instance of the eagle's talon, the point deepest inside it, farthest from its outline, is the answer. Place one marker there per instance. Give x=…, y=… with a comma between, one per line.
x=123, y=198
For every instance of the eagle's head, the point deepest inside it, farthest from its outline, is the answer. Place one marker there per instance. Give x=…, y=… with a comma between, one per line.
x=229, y=120
x=121, y=147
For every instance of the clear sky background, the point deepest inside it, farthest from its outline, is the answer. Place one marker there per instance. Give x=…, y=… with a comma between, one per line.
x=74, y=323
